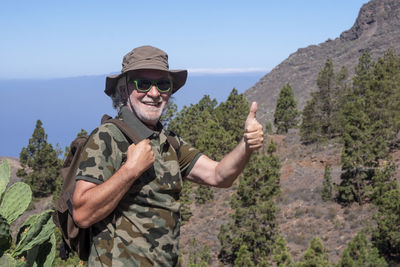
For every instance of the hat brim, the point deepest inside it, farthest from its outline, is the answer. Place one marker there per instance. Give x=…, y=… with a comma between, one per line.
x=179, y=78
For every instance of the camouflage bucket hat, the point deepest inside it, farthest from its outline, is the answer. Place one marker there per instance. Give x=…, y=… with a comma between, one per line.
x=146, y=57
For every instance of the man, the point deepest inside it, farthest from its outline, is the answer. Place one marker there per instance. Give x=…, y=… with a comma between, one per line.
x=129, y=194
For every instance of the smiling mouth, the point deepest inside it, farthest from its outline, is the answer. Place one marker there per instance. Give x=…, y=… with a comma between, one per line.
x=152, y=104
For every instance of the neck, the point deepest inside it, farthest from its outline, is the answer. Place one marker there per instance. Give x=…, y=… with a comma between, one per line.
x=150, y=126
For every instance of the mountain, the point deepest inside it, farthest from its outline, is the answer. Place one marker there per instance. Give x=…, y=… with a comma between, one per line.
x=376, y=29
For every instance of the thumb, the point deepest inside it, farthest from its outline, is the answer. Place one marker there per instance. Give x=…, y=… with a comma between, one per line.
x=253, y=111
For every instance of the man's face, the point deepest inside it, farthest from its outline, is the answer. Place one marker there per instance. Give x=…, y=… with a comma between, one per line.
x=148, y=106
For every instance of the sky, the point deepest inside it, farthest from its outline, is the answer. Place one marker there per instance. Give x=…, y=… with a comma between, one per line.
x=54, y=55
x=53, y=39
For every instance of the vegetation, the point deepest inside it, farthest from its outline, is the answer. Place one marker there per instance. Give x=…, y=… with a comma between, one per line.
x=327, y=186
x=371, y=117
x=254, y=221
x=281, y=254
x=40, y=163
x=35, y=242
x=286, y=113
x=199, y=256
x=213, y=129
x=360, y=252
x=386, y=236
x=321, y=118
x=315, y=255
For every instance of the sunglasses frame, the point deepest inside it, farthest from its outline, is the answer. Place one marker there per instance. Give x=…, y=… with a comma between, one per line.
x=152, y=82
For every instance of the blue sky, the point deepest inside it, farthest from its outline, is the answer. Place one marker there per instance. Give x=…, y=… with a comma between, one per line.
x=49, y=39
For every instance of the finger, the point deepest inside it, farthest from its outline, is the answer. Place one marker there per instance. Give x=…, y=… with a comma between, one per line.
x=256, y=141
x=253, y=135
x=253, y=111
x=254, y=147
x=253, y=126
x=132, y=146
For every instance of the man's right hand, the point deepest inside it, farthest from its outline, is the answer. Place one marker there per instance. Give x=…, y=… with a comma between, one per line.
x=139, y=157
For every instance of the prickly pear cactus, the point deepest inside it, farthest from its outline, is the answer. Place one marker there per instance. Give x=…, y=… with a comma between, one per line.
x=5, y=174
x=15, y=201
x=37, y=233
x=5, y=235
x=35, y=244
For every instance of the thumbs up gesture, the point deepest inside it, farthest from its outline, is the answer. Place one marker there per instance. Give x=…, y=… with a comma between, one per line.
x=253, y=130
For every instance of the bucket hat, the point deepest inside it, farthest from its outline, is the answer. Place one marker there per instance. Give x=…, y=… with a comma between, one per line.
x=146, y=57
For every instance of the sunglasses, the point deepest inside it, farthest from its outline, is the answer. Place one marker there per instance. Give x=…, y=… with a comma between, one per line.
x=144, y=85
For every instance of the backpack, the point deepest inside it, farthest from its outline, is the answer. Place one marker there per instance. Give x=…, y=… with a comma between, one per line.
x=75, y=238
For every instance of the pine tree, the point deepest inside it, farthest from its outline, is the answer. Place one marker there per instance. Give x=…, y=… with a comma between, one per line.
x=254, y=220
x=189, y=122
x=386, y=236
x=286, y=113
x=169, y=113
x=357, y=160
x=40, y=163
x=321, y=116
x=243, y=258
x=232, y=114
x=281, y=254
x=326, y=192
x=325, y=83
x=372, y=119
x=383, y=100
x=359, y=252
x=315, y=255
x=310, y=128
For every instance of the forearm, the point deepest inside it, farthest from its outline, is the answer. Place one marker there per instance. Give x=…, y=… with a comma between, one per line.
x=232, y=165
x=93, y=204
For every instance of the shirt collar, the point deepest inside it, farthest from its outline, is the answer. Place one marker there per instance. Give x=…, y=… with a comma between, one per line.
x=137, y=125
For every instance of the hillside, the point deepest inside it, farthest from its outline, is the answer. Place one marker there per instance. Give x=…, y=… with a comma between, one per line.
x=302, y=213
x=377, y=28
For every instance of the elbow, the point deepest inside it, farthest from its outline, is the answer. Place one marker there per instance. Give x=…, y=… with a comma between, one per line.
x=224, y=184
x=80, y=220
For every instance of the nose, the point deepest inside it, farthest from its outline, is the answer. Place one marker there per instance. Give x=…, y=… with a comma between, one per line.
x=153, y=92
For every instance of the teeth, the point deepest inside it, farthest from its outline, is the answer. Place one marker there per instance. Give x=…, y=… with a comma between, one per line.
x=152, y=104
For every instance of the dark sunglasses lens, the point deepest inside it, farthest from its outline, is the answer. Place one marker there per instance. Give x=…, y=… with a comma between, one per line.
x=164, y=85
x=143, y=85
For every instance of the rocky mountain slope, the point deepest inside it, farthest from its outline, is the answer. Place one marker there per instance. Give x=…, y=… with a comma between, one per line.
x=302, y=214
x=377, y=28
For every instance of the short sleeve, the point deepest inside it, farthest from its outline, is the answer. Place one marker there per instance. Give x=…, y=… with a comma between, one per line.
x=187, y=157
x=102, y=154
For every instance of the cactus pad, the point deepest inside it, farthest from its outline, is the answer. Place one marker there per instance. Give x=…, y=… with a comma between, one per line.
x=5, y=235
x=5, y=174
x=38, y=233
x=15, y=201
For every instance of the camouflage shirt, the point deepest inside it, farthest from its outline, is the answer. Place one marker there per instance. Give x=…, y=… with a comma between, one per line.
x=144, y=228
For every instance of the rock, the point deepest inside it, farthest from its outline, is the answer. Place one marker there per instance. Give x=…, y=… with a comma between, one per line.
x=376, y=29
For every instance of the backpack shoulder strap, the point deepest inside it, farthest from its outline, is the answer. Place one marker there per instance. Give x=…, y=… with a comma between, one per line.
x=172, y=140
x=133, y=136
x=123, y=128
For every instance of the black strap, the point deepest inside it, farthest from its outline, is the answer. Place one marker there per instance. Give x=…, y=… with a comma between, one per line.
x=132, y=135
x=123, y=127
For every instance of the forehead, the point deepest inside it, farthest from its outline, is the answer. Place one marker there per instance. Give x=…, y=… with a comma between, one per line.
x=149, y=74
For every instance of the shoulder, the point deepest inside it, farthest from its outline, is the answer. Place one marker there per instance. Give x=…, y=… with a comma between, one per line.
x=107, y=133
x=106, y=137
